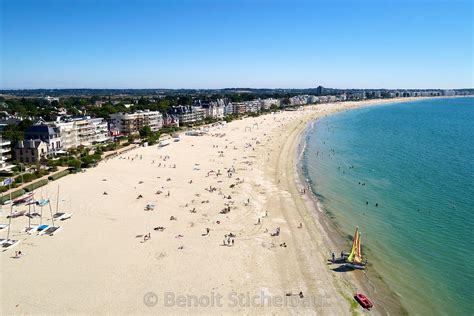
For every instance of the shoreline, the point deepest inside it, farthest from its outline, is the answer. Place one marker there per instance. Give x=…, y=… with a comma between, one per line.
x=358, y=280
x=369, y=280
x=347, y=283
x=103, y=241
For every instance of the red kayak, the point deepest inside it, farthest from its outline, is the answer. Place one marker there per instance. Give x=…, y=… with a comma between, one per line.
x=363, y=301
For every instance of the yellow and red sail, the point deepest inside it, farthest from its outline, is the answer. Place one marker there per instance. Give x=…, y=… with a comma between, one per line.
x=354, y=246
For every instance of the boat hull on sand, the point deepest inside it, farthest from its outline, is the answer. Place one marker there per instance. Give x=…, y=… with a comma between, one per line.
x=354, y=266
x=363, y=301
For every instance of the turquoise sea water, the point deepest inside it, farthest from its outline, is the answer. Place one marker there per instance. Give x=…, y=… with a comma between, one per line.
x=417, y=162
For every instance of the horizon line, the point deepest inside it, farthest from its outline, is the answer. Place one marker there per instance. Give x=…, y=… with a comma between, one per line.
x=235, y=88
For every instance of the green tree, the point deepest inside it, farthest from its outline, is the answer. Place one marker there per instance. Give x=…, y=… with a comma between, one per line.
x=74, y=163
x=145, y=131
x=131, y=139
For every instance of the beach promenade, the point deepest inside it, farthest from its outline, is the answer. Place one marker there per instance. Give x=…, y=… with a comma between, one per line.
x=185, y=228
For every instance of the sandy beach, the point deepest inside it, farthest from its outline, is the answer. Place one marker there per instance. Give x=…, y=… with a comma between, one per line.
x=204, y=245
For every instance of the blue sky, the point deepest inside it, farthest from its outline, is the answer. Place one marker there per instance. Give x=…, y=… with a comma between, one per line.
x=232, y=43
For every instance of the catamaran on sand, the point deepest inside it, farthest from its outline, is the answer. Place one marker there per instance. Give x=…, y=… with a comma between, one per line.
x=354, y=260
x=25, y=198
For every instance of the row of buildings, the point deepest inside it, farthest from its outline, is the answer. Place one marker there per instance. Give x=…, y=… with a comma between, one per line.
x=50, y=139
x=131, y=123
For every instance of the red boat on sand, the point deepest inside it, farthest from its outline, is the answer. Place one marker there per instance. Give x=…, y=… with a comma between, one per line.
x=24, y=198
x=363, y=301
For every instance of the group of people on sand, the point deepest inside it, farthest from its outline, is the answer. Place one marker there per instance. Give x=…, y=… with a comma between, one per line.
x=173, y=166
x=225, y=210
x=229, y=240
x=133, y=158
x=212, y=172
x=230, y=172
x=211, y=189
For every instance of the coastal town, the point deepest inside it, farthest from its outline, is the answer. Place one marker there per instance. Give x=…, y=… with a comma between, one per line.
x=42, y=140
x=209, y=157
x=223, y=197
x=164, y=178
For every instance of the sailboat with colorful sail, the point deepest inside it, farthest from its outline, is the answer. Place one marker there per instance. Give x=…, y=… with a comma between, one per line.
x=355, y=258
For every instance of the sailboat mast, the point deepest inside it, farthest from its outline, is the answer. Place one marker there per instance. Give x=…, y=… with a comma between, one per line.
x=358, y=247
x=57, y=202
x=51, y=211
x=11, y=209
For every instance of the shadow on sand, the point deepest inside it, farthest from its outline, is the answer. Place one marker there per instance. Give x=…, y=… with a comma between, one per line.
x=343, y=268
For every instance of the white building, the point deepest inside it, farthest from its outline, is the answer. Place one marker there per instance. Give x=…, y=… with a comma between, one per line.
x=229, y=109
x=51, y=99
x=305, y=99
x=5, y=153
x=313, y=99
x=131, y=123
x=341, y=97
x=449, y=92
x=253, y=106
x=267, y=103
x=84, y=131
x=188, y=114
x=214, y=111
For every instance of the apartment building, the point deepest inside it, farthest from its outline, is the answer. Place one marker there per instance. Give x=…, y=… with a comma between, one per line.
x=131, y=123
x=188, y=114
x=253, y=106
x=229, y=109
x=213, y=110
x=170, y=120
x=267, y=103
x=5, y=153
x=240, y=107
x=83, y=131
